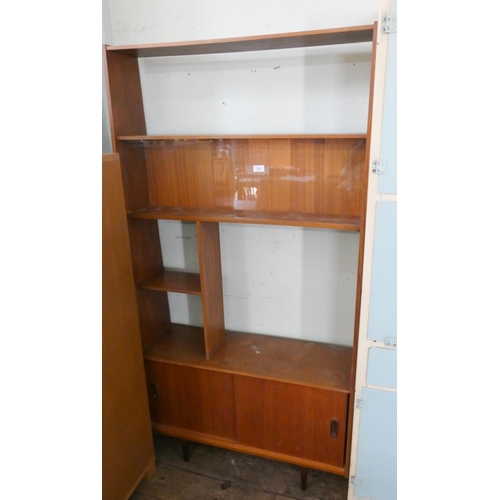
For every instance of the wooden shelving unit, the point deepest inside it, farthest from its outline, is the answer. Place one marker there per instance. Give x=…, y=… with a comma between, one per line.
x=284, y=399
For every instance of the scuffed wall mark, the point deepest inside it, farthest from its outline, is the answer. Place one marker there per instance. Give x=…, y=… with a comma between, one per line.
x=128, y=28
x=237, y=296
x=277, y=67
x=285, y=316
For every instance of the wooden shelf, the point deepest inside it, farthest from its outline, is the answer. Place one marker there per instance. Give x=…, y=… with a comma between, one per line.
x=152, y=138
x=173, y=281
x=299, y=362
x=313, y=38
x=344, y=223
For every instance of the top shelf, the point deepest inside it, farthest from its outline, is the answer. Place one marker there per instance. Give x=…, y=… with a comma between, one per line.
x=315, y=38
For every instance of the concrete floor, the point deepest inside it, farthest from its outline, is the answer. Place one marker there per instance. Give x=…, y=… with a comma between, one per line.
x=217, y=474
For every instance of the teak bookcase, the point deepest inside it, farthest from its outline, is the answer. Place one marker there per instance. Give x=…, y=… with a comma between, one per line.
x=293, y=399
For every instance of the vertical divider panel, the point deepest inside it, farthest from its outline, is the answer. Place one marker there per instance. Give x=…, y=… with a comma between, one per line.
x=154, y=313
x=127, y=118
x=211, y=285
x=126, y=110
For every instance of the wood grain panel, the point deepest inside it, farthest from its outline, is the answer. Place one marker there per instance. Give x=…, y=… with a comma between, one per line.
x=307, y=158
x=335, y=36
x=147, y=260
x=298, y=176
x=290, y=419
x=173, y=281
x=126, y=110
x=256, y=190
x=193, y=399
x=146, y=248
x=127, y=442
x=154, y=314
x=180, y=173
x=341, y=222
x=223, y=161
x=135, y=176
x=211, y=285
x=143, y=138
x=341, y=183
x=300, y=362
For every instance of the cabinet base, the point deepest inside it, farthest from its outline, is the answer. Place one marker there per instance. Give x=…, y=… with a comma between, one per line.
x=183, y=434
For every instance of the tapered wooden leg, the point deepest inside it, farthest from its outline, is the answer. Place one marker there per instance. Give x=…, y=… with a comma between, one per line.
x=303, y=478
x=185, y=450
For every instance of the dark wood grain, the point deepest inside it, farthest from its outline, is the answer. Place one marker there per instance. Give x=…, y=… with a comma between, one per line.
x=301, y=362
x=154, y=314
x=127, y=442
x=146, y=248
x=290, y=419
x=308, y=176
x=190, y=398
x=346, y=223
x=126, y=109
x=187, y=137
x=173, y=281
x=211, y=285
x=147, y=260
x=311, y=38
x=135, y=175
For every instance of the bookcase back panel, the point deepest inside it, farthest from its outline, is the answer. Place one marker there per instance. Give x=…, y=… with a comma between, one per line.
x=315, y=176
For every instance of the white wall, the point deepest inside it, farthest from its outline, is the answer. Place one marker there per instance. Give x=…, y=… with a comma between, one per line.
x=107, y=39
x=157, y=21
x=279, y=280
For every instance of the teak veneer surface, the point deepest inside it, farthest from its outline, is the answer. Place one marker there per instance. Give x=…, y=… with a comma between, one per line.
x=156, y=138
x=291, y=419
x=289, y=176
x=300, y=362
x=335, y=36
x=192, y=399
x=212, y=300
x=173, y=281
x=249, y=217
x=127, y=441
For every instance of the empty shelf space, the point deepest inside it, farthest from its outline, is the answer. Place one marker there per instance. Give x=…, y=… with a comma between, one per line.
x=341, y=222
x=300, y=362
x=173, y=281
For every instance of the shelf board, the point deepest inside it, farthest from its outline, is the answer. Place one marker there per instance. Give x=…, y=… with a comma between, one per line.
x=314, y=38
x=173, y=281
x=146, y=138
x=302, y=362
x=345, y=223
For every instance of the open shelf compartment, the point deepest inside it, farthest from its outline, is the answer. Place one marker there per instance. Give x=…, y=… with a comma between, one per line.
x=301, y=362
